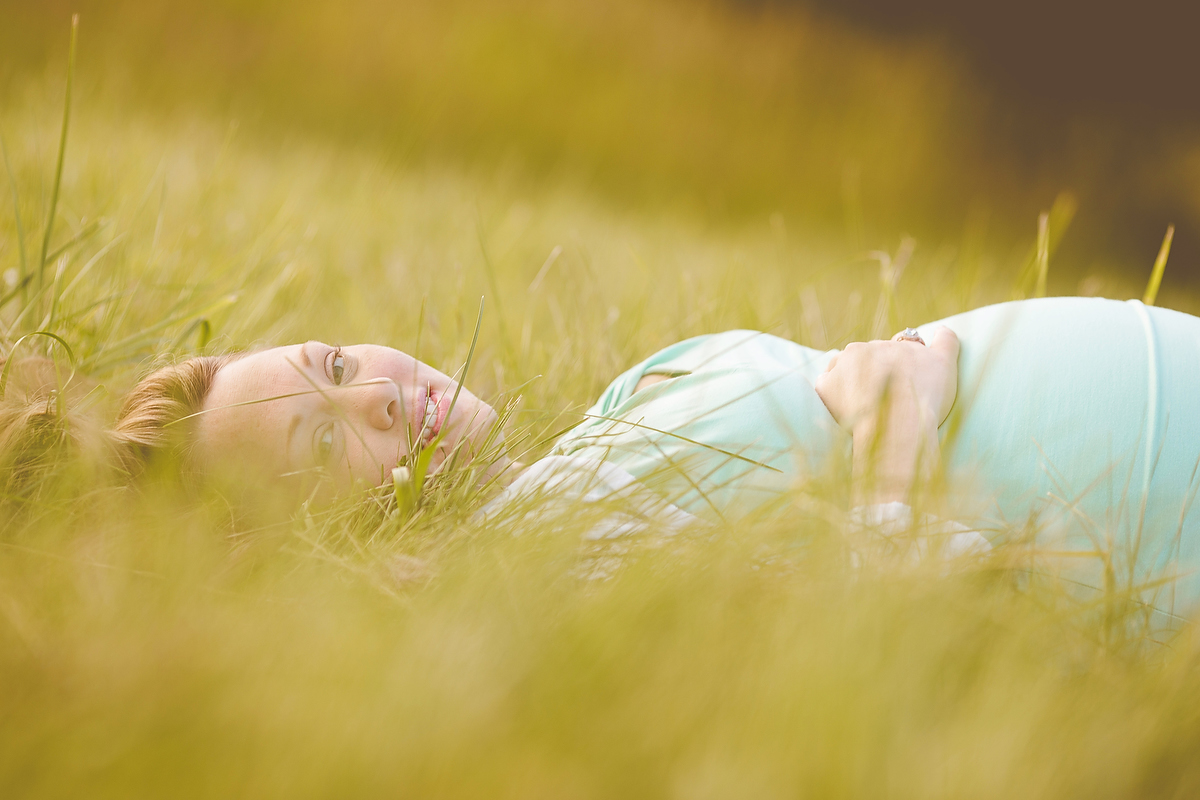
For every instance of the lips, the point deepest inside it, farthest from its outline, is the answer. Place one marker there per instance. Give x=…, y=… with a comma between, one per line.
x=433, y=417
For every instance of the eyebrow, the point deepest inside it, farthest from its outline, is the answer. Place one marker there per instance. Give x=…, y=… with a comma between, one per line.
x=292, y=426
x=296, y=419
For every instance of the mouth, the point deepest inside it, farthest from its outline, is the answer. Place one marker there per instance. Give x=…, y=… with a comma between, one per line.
x=433, y=416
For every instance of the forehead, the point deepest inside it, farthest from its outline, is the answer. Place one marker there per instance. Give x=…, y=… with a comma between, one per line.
x=244, y=410
x=258, y=376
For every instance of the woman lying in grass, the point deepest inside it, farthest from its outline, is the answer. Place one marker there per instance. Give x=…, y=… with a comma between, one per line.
x=1075, y=419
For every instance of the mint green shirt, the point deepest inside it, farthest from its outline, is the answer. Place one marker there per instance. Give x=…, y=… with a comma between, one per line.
x=1075, y=417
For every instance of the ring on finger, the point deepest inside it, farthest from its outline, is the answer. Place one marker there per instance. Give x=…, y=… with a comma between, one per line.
x=908, y=335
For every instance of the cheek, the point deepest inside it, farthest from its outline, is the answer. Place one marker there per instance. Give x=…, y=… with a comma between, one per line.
x=365, y=459
x=479, y=420
x=398, y=366
x=488, y=416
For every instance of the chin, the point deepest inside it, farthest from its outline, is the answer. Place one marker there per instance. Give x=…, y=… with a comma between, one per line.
x=476, y=424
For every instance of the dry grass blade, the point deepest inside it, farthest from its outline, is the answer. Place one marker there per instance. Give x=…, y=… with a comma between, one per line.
x=1043, y=253
x=10, y=360
x=1160, y=266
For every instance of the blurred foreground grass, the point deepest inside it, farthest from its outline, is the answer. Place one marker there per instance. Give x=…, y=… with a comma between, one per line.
x=149, y=647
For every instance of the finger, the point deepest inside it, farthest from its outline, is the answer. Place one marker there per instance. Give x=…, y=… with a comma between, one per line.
x=833, y=361
x=821, y=384
x=900, y=337
x=945, y=341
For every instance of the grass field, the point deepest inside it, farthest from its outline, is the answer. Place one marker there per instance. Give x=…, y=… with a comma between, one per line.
x=152, y=647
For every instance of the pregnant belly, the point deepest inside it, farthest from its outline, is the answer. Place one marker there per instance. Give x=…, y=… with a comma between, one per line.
x=1080, y=418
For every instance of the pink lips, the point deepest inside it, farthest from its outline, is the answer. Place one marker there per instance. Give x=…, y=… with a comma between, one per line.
x=439, y=416
x=432, y=426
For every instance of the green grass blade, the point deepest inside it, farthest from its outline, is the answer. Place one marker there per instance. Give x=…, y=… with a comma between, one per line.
x=62, y=151
x=1058, y=221
x=12, y=183
x=16, y=290
x=88, y=231
x=462, y=378
x=490, y=270
x=425, y=456
x=122, y=348
x=416, y=354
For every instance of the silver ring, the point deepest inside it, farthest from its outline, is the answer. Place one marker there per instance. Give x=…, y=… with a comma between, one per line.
x=908, y=335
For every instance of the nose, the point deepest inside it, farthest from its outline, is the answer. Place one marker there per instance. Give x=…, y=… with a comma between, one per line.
x=376, y=402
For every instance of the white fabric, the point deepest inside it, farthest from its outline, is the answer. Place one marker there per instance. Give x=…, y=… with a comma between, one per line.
x=613, y=504
x=890, y=530
x=558, y=487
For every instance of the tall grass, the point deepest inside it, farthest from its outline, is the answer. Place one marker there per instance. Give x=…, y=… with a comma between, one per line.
x=150, y=646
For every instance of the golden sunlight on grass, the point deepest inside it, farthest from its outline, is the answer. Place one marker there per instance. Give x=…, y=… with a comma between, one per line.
x=156, y=645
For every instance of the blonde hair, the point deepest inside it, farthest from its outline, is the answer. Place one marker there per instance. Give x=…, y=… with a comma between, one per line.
x=43, y=423
x=152, y=426
x=51, y=427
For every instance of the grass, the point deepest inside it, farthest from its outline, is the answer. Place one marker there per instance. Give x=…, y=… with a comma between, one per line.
x=724, y=109
x=151, y=647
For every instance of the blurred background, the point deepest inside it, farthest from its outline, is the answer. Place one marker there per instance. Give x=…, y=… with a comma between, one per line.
x=854, y=122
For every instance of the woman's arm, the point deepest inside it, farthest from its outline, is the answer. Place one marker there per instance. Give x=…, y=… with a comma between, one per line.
x=892, y=396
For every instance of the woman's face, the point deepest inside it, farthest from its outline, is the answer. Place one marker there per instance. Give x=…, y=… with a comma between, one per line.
x=355, y=412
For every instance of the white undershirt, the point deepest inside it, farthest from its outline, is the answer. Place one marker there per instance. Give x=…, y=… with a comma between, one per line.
x=557, y=486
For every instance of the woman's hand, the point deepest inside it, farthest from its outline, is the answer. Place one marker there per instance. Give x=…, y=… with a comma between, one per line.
x=868, y=380
x=891, y=396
